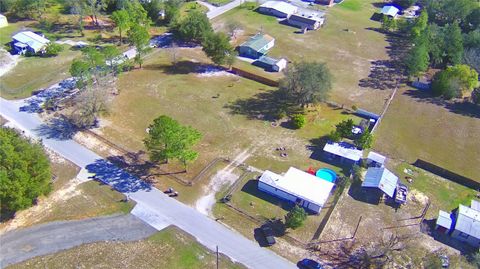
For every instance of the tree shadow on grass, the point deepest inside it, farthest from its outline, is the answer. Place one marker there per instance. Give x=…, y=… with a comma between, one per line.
x=387, y=74
x=57, y=128
x=184, y=68
x=459, y=107
x=265, y=105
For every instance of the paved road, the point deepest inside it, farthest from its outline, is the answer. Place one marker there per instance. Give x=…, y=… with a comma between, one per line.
x=217, y=11
x=155, y=204
x=23, y=244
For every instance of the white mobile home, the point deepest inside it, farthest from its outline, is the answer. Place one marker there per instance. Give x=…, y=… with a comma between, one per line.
x=297, y=186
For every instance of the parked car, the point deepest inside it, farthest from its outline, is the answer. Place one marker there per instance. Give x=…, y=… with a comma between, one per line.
x=309, y=264
x=268, y=233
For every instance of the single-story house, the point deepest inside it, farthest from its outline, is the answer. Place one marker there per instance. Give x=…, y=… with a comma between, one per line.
x=271, y=64
x=343, y=150
x=277, y=8
x=297, y=186
x=28, y=41
x=381, y=178
x=307, y=19
x=325, y=2
x=375, y=159
x=3, y=21
x=467, y=224
x=390, y=11
x=257, y=46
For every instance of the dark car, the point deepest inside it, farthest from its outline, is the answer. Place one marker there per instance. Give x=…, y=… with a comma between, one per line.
x=309, y=264
x=268, y=233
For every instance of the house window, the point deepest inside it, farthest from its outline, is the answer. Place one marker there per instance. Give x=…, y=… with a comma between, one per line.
x=463, y=235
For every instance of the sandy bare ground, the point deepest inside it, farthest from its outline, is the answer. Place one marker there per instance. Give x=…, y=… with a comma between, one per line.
x=26, y=217
x=92, y=142
x=7, y=61
x=222, y=178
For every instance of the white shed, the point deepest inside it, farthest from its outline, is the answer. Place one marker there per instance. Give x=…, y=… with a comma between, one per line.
x=3, y=21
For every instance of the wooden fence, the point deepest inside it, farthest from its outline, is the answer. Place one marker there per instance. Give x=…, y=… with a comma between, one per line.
x=255, y=77
x=442, y=172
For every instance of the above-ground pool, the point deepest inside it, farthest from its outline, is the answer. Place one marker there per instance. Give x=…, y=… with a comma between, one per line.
x=326, y=174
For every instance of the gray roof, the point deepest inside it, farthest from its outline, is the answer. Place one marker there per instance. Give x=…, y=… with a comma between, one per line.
x=444, y=219
x=381, y=178
x=376, y=157
x=475, y=205
x=268, y=60
x=344, y=150
x=280, y=6
x=389, y=10
x=468, y=221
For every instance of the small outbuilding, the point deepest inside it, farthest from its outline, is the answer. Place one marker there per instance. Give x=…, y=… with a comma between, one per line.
x=325, y=2
x=297, y=186
x=345, y=151
x=257, y=46
x=271, y=64
x=381, y=178
x=444, y=222
x=278, y=9
x=375, y=159
x=3, y=21
x=28, y=41
x=467, y=225
x=390, y=11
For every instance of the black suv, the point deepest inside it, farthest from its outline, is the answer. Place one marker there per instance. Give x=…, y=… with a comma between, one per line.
x=268, y=233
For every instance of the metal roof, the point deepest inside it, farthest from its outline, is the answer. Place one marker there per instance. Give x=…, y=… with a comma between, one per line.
x=468, y=221
x=258, y=41
x=344, y=150
x=475, y=205
x=381, y=178
x=36, y=42
x=300, y=184
x=389, y=10
x=444, y=219
x=376, y=157
x=280, y=6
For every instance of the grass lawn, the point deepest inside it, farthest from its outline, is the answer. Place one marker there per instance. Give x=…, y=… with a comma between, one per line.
x=443, y=194
x=170, y=248
x=221, y=107
x=414, y=128
x=92, y=199
x=191, y=6
x=346, y=43
x=34, y=73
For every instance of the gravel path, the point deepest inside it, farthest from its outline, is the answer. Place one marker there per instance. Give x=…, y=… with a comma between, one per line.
x=23, y=244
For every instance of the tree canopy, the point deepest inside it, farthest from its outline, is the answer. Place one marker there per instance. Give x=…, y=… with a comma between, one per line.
x=167, y=139
x=307, y=83
x=193, y=27
x=140, y=38
x=217, y=47
x=295, y=217
x=122, y=21
x=24, y=171
x=454, y=81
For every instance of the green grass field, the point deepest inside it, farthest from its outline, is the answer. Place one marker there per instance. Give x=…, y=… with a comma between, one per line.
x=170, y=248
x=347, y=43
x=34, y=73
x=223, y=108
x=219, y=2
x=413, y=129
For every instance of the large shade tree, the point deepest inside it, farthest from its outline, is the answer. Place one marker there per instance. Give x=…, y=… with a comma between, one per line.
x=168, y=139
x=24, y=171
x=307, y=83
x=217, y=47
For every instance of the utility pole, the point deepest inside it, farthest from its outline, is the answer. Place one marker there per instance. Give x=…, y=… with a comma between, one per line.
x=217, y=257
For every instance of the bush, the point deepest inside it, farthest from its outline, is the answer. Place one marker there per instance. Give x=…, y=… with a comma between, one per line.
x=298, y=121
x=24, y=171
x=354, y=108
x=295, y=218
x=53, y=49
x=334, y=136
x=365, y=141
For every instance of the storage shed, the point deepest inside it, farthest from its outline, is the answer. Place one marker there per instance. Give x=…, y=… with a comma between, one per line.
x=390, y=11
x=28, y=41
x=271, y=64
x=344, y=151
x=381, y=178
x=297, y=186
x=3, y=21
x=375, y=159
